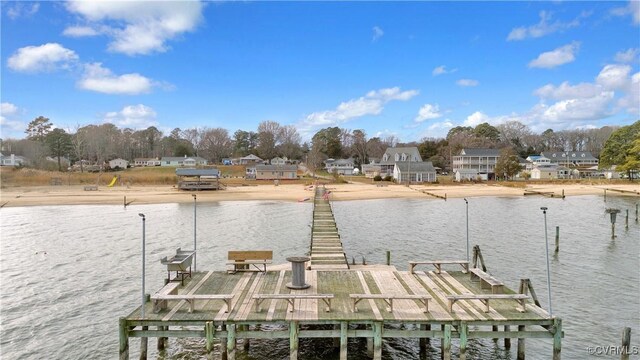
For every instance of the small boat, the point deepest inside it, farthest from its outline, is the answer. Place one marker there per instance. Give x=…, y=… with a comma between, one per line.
x=305, y=199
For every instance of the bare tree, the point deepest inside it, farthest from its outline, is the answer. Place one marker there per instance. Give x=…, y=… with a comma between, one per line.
x=216, y=144
x=290, y=142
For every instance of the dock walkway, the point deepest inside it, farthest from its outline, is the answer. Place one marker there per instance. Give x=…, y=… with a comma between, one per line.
x=326, y=247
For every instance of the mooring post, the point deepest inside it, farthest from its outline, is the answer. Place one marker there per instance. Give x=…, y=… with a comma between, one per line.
x=563, y=193
x=231, y=341
x=636, y=212
x=389, y=256
x=125, y=201
x=521, y=344
x=124, y=339
x=626, y=221
x=344, y=326
x=143, y=345
x=293, y=340
x=626, y=343
x=377, y=340
x=161, y=340
x=605, y=195
x=557, y=239
x=446, y=342
x=557, y=338
x=463, y=329
x=507, y=339
x=209, y=334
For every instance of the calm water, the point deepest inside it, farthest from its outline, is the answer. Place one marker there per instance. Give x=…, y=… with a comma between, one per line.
x=65, y=304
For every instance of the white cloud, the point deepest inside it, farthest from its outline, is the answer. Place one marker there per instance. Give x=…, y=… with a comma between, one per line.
x=632, y=8
x=614, y=77
x=442, y=69
x=562, y=55
x=631, y=101
x=80, y=31
x=47, y=57
x=19, y=9
x=476, y=119
x=140, y=27
x=567, y=91
x=100, y=79
x=467, y=82
x=9, y=125
x=428, y=112
x=133, y=116
x=377, y=33
x=544, y=27
x=627, y=56
x=370, y=104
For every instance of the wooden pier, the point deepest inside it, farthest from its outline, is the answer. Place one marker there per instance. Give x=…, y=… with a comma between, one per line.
x=342, y=303
x=326, y=246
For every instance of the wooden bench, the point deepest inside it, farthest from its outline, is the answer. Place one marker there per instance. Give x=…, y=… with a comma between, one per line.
x=520, y=298
x=191, y=299
x=487, y=281
x=259, y=298
x=388, y=298
x=243, y=260
x=438, y=264
x=169, y=289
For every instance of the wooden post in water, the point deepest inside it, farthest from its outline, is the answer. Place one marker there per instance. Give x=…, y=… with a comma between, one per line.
x=293, y=340
x=377, y=340
x=124, y=202
x=521, y=345
x=223, y=345
x=389, y=253
x=626, y=221
x=162, y=340
x=446, y=342
x=344, y=326
x=124, y=339
x=143, y=345
x=557, y=239
x=626, y=343
x=605, y=195
x=209, y=333
x=231, y=341
x=636, y=212
x=464, y=332
x=507, y=339
x=557, y=338
x=424, y=340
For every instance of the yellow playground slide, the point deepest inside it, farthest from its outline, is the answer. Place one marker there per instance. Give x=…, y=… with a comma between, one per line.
x=113, y=181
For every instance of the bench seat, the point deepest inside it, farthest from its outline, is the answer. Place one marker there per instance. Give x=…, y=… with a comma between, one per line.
x=388, y=298
x=484, y=298
x=438, y=264
x=252, y=260
x=487, y=281
x=169, y=289
x=291, y=299
x=191, y=298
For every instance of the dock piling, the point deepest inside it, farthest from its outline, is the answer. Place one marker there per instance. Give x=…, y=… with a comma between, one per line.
x=626, y=221
x=389, y=252
x=626, y=343
x=343, y=340
x=124, y=339
x=209, y=333
x=294, y=331
x=463, y=330
x=557, y=338
x=424, y=340
x=557, y=239
x=377, y=340
x=231, y=341
x=495, y=330
x=521, y=344
x=507, y=340
x=161, y=340
x=446, y=342
x=143, y=345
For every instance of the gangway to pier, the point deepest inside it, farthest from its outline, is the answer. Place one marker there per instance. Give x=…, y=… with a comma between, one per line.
x=326, y=247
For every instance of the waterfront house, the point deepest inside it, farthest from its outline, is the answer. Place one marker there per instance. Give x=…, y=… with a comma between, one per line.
x=250, y=160
x=371, y=170
x=340, y=166
x=414, y=172
x=12, y=160
x=465, y=175
x=279, y=160
x=571, y=158
x=183, y=161
x=118, y=163
x=276, y=172
x=395, y=154
x=479, y=159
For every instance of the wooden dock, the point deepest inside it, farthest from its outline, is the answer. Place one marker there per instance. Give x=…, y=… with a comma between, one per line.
x=326, y=247
x=372, y=302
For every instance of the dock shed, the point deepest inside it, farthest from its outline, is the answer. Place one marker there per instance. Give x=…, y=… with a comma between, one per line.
x=199, y=179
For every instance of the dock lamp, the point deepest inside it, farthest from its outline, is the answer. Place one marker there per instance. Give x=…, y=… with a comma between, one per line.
x=467, y=204
x=194, y=233
x=143, y=263
x=546, y=242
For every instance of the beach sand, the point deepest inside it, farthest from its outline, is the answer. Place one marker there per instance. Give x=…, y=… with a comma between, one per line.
x=75, y=195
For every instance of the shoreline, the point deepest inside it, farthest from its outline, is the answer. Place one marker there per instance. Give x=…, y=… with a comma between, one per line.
x=76, y=195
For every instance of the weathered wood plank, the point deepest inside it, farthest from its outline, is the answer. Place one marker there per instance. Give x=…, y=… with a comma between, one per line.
x=436, y=310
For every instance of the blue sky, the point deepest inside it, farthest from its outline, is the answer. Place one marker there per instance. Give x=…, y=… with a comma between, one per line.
x=410, y=69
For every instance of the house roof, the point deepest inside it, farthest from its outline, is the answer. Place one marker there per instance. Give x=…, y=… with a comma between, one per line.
x=391, y=152
x=415, y=166
x=197, y=172
x=571, y=155
x=479, y=152
x=178, y=158
x=276, y=167
x=251, y=157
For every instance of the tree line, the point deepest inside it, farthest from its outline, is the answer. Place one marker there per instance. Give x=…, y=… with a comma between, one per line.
x=100, y=143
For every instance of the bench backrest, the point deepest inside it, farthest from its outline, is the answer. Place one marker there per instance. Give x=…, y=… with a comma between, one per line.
x=251, y=255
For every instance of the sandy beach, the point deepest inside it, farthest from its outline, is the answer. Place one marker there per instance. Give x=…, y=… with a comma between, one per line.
x=75, y=195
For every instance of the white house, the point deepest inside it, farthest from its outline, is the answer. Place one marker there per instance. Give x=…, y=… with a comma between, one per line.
x=550, y=172
x=466, y=175
x=250, y=159
x=371, y=170
x=414, y=172
x=279, y=160
x=183, y=161
x=482, y=160
x=12, y=160
x=340, y=166
x=394, y=154
x=118, y=163
x=571, y=158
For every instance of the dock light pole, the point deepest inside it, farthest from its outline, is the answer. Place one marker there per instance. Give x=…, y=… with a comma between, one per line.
x=143, y=263
x=467, y=204
x=546, y=243
x=195, y=253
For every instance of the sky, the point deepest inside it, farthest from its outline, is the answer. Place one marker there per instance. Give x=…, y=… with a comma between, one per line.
x=409, y=69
